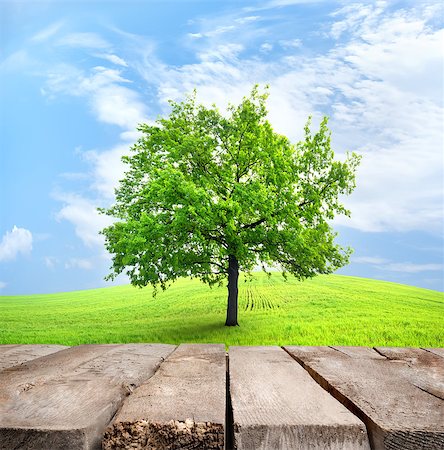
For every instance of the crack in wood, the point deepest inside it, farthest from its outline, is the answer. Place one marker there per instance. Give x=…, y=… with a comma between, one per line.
x=229, y=420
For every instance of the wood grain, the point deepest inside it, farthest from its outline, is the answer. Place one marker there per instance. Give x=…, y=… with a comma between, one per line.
x=423, y=369
x=359, y=352
x=181, y=406
x=436, y=351
x=65, y=400
x=398, y=414
x=13, y=355
x=277, y=405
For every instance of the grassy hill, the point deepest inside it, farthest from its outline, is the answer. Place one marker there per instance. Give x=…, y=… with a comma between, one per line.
x=327, y=310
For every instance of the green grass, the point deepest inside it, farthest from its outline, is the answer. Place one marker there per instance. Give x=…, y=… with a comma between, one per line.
x=327, y=310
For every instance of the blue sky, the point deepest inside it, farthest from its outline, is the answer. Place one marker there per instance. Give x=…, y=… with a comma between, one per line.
x=77, y=77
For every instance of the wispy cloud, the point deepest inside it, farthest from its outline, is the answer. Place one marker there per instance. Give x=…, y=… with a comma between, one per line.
x=16, y=61
x=247, y=19
x=266, y=47
x=111, y=101
x=290, y=43
x=211, y=33
x=82, y=213
x=113, y=58
x=403, y=267
x=271, y=4
x=50, y=261
x=368, y=260
x=3, y=284
x=231, y=26
x=48, y=32
x=107, y=169
x=15, y=242
x=408, y=267
x=276, y=3
x=84, y=40
x=79, y=263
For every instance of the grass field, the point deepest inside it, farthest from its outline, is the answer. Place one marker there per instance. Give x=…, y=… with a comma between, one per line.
x=327, y=310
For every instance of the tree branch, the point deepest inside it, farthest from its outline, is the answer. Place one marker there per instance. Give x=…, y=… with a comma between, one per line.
x=239, y=149
x=211, y=263
x=224, y=145
x=254, y=224
x=320, y=192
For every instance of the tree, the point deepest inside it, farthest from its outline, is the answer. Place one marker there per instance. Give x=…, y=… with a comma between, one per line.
x=208, y=195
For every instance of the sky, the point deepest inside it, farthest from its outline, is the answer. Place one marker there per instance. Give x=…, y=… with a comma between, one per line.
x=76, y=78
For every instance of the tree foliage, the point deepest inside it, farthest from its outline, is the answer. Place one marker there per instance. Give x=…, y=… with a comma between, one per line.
x=202, y=185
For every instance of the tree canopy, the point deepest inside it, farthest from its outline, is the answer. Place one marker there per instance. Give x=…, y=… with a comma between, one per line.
x=202, y=187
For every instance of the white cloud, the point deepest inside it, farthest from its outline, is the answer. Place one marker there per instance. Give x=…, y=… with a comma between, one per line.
x=74, y=176
x=223, y=52
x=271, y=4
x=411, y=268
x=3, y=284
x=50, y=261
x=213, y=32
x=290, y=43
x=118, y=105
x=391, y=112
x=83, y=214
x=84, y=40
x=48, y=32
x=368, y=260
x=16, y=61
x=219, y=30
x=113, y=58
x=132, y=136
x=276, y=3
x=266, y=47
x=107, y=169
x=355, y=16
x=247, y=19
x=387, y=265
x=15, y=242
x=79, y=263
x=110, y=101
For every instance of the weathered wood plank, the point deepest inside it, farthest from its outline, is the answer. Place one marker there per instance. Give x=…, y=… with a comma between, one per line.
x=397, y=414
x=181, y=406
x=12, y=355
x=277, y=405
x=424, y=369
x=436, y=351
x=66, y=399
x=358, y=352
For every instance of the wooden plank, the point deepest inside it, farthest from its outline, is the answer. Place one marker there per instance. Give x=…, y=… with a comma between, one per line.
x=359, y=352
x=315, y=350
x=66, y=399
x=424, y=369
x=397, y=414
x=409, y=354
x=12, y=355
x=436, y=351
x=277, y=405
x=181, y=406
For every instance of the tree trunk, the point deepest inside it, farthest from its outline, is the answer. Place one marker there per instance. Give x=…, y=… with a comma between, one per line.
x=233, y=276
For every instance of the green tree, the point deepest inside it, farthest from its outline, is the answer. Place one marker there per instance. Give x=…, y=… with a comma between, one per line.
x=208, y=195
